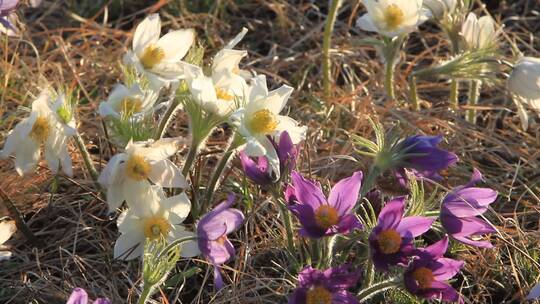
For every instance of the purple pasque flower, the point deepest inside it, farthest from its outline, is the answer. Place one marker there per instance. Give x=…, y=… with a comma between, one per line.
x=212, y=232
x=325, y=287
x=460, y=208
x=320, y=216
x=79, y=296
x=422, y=155
x=391, y=241
x=6, y=8
x=426, y=276
x=260, y=171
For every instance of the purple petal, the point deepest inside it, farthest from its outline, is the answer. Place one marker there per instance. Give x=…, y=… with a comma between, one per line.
x=445, y=269
x=306, y=216
x=479, y=244
x=102, y=301
x=344, y=297
x=289, y=195
x=7, y=6
x=218, y=278
x=443, y=291
x=340, y=277
x=298, y=296
x=257, y=172
x=307, y=192
x=286, y=152
x=436, y=250
x=344, y=194
x=535, y=293
x=78, y=296
x=476, y=177
x=392, y=213
x=219, y=252
x=222, y=220
x=309, y=276
x=415, y=225
x=348, y=223
x=462, y=228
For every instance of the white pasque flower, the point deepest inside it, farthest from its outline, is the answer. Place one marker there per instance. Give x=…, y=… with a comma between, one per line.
x=158, y=217
x=45, y=126
x=260, y=119
x=226, y=89
x=479, y=33
x=159, y=59
x=392, y=18
x=128, y=176
x=124, y=101
x=440, y=8
x=524, y=85
x=7, y=229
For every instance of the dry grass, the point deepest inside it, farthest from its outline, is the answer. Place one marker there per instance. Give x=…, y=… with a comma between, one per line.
x=67, y=42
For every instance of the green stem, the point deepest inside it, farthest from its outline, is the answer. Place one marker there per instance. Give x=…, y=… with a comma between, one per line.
x=454, y=94
x=192, y=155
x=327, y=41
x=414, y=94
x=221, y=166
x=474, y=94
x=287, y=222
x=389, y=78
x=146, y=293
x=86, y=157
x=165, y=120
x=373, y=290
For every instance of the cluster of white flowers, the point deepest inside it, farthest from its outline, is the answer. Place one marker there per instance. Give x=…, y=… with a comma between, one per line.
x=138, y=175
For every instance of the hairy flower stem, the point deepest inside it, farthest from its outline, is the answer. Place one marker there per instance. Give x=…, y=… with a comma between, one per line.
x=86, y=158
x=454, y=94
x=192, y=155
x=146, y=293
x=19, y=221
x=167, y=117
x=413, y=93
x=377, y=288
x=327, y=41
x=218, y=172
x=389, y=78
x=474, y=95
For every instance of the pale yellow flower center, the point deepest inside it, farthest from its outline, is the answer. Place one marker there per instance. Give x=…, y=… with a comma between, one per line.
x=130, y=105
x=326, y=216
x=389, y=241
x=41, y=129
x=393, y=17
x=263, y=122
x=223, y=94
x=151, y=56
x=423, y=277
x=138, y=168
x=318, y=295
x=156, y=227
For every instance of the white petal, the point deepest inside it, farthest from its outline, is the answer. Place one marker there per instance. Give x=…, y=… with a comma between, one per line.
x=147, y=33
x=166, y=174
x=129, y=245
x=7, y=229
x=365, y=23
x=258, y=89
x=176, y=44
x=115, y=196
x=271, y=155
x=296, y=132
x=42, y=105
x=179, y=207
x=110, y=173
x=27, y=156
x=190, y=248
x=5, y=255
x=254, y=147
x=105, y=110
x=137, y=192
x=228, y=60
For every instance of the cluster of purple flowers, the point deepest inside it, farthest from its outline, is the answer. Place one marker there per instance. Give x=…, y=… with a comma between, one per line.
x=425, y=271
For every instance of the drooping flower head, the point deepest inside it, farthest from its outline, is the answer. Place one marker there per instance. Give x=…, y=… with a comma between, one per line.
x=127, y=176
x=260, y=172
x=440, y=8
x=392, y=18
x=422, y=155
x=524, y=85
x=45, y=126
x=426, y=276
x=127, y=102
x=158, y=217
x=479, y=33
x=79, y=296
x=459, y=211
x=225, y=90
x=260, y=119
x=7, y=229
x=325, y=286
x=391, y=241
x=158, y=59
x=320, y=216
x=212, y=231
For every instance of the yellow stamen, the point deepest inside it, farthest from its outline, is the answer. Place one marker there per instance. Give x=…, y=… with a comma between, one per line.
x=393, y=17
x=263, y=122
x=423, y=277
x=151, y=56
x=326, y=216
x=137, y=168
x=41, y=129
x=156, y=227
x=223, y=94
x=318, y=295
x=389, y=241
x=130, y=105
